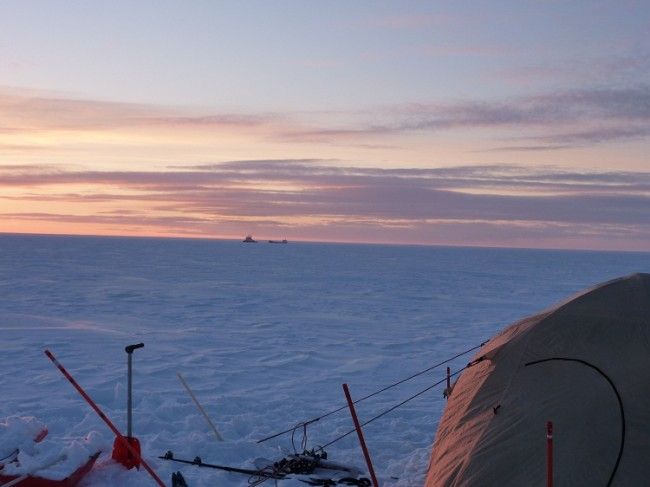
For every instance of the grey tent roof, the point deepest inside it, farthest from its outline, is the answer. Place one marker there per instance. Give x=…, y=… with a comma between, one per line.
x=585, y=365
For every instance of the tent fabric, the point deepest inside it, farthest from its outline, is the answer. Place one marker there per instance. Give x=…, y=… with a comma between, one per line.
x=585, y=366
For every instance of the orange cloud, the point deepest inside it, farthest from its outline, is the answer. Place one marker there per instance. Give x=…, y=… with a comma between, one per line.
x=311, y=199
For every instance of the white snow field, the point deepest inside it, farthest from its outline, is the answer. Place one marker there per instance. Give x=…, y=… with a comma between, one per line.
x=264, y=334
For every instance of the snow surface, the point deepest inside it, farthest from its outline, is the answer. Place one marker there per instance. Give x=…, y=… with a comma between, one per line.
x=264, y=334
x=48, y=458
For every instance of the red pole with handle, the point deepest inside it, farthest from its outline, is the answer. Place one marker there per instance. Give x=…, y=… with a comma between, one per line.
x=362, y=441
x=108, y=422
x=549, y=454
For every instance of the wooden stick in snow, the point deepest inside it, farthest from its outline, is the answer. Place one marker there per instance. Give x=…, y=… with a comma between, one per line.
x=198, y=405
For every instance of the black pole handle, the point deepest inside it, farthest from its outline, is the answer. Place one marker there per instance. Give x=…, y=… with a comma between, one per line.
x=131, y=348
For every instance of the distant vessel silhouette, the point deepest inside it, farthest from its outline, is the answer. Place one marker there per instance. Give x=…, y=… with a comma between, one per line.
x=249, y=239
x=284, y=241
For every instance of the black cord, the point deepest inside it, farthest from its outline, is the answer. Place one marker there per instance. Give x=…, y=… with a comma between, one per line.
x=384, y=389
x=618, y=397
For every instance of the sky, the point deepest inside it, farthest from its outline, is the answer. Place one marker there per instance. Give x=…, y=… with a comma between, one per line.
x=506, y=123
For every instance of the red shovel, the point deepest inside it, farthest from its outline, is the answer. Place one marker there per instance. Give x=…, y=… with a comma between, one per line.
x=121, y=453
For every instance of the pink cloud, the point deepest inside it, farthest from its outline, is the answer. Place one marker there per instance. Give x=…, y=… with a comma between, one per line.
x=373, y=201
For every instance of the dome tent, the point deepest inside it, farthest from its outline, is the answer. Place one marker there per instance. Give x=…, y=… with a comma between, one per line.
x=585, y=365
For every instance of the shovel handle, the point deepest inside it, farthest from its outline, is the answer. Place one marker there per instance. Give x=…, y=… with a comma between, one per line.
x=131, y=348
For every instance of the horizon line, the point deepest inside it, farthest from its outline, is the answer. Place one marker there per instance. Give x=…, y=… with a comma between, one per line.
x=308, y=241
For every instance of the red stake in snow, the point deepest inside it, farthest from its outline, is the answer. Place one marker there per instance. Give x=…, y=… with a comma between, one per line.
x=108, y=422
x=362, y=441
x=549, y=454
